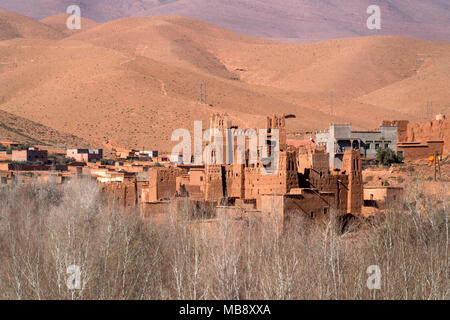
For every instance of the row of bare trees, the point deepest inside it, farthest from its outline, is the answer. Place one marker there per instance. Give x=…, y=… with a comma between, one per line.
x=47, y=229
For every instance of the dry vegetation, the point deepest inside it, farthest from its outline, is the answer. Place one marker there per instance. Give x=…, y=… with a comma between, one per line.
x=44, y=228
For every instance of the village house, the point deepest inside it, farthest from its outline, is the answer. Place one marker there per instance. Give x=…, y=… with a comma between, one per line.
x=382, y=197
x=85, y=155
x=411, y=151
x=341, y=138
x=303, y=184
x=30, y=155
x=421, y=140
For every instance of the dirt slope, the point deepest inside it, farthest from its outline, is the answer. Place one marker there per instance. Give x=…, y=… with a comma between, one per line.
x=13, y=25
x=131, y=82
x=21, y=130
x=58, y=22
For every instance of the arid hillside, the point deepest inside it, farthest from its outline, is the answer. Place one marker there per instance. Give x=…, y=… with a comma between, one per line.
x=59, y=22
x=21, y=130
x=13, y=25
x=132, y=81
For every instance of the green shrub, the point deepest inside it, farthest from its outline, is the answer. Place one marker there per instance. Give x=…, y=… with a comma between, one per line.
x=387, y=156
x=107, y=162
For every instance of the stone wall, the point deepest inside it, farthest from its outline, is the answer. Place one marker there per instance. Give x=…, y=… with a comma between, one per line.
x=353, y=167
x=430, y=130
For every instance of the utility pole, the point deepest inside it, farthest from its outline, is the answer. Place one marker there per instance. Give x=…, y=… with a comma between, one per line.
x=429, y=113
x=203, y=94
x=437, y=165
x=331, y=104
x=431, y=110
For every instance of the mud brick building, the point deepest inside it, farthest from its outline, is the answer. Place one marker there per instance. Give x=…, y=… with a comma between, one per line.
x=30, y=155
x=420, y=140
x=286, y=180
x=303, y=183
x=123, y=192
x=85, y=155
x=382, y=197
x=162, y=183
x=416, y=150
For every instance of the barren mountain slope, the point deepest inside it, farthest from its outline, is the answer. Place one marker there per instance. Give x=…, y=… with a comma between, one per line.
x=108, y=97
x=174, y=40
x=430, y=83
x=13, y=25
x=21, y=130
x=59, y=21
x=131, y=82
x=349, y=67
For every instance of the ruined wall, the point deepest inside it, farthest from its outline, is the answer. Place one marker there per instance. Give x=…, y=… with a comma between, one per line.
x=334, y=183
x=192, y=184
x=214, y=183
x=163, y=183
x=353, y=167
x=436, y=146
x=123, y=193
x=279, y=123
x=383, y=196
x=430, y=130
x=280, y=182
x=316, y=159
x=418, y=151
x=235, y=181
x=142, y=188
x=309, y=203
x=283, y=208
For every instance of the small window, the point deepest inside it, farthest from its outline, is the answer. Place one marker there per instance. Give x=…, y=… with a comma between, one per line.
x=312, y=214
x=201, y=178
